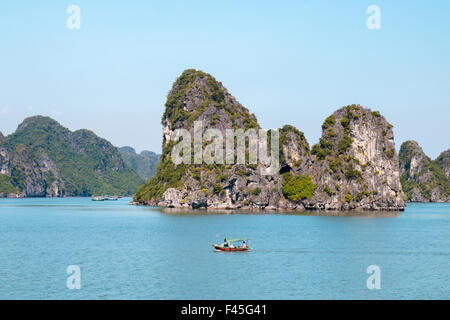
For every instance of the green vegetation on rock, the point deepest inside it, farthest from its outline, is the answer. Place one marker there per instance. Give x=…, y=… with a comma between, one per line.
x=204, y=86
x=341, y=166
x=144, y=163
x=297, y=188
x=195, y=95
x=422, y=179
x=255, y=191
x=344, y=144
x=85, y=163
x=6, y=185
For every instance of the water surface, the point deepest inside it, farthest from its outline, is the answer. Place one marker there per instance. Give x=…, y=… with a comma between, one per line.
x=133, y=252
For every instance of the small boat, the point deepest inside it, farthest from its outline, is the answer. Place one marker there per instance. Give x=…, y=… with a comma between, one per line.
x=229, y=246
x=111, y=198
x=98, y=198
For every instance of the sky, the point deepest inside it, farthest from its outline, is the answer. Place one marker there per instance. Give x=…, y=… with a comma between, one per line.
x=288, y=62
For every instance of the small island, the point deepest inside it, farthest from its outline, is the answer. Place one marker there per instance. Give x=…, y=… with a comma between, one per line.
x=354, y=166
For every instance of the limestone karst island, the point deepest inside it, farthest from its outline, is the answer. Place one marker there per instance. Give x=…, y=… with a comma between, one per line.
x=354, y=166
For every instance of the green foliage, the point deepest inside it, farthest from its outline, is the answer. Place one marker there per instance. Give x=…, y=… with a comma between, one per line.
x=365, y=165
x=329, y=122
x=361, y=195
x=335, y=164
x=87, y=164
x=437, y=179
x=344, y=144
x=214, y=119
x=255, y=191
x=196, y=174
x=345, y=122
x=390, y=153
x=322, y=149
x=348, y=197
x=211, y=93
x=408, y=185
x=243, y=172
x=19, y=177
x=300, y=139
x=208, y=93
x=174, y=104
x=167, y=176
x=331, y=134
x=441, y=180
x=221, y=177
x=376, y=113
x=352, y=174
x=217, y=189
x=329, y=191
x=6, y=185
x=144, y=163
x=297, y=188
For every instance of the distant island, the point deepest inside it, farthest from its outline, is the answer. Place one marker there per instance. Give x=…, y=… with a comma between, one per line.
x=144, y=163
x=354, y=166
x=44, y=159
x=423, y=179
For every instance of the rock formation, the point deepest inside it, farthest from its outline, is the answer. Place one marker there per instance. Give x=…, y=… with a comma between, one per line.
x=354, y=166
x=144, y=163
x=44, y=159
x=423, y=179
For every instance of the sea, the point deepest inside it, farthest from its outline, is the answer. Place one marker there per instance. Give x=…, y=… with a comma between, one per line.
x=75, y=248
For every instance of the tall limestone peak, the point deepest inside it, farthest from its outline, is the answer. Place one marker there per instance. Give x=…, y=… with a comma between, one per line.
x=354, y=166
x=195, y=97
x=198, y=96
x=293, y=146
x=412, y=158
x=424, y=179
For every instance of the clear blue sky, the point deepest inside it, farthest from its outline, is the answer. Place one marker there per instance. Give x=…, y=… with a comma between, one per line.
x=287, y=61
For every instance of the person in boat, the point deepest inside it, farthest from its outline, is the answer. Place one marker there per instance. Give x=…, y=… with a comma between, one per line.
x=225, y=243
x=244, y=245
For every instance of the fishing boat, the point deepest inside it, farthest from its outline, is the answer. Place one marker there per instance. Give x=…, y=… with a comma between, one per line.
x=229, y=245
x=98, y=198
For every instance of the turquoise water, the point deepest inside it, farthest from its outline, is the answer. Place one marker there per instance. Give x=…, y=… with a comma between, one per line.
x=130, y=252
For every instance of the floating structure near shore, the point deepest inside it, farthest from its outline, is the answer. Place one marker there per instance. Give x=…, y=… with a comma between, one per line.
x=105, y=198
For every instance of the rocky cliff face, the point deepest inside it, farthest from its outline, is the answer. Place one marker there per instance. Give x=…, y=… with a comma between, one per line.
x=355, y=165
x=25, y=174
x=423, y=179
x=444, y=162
x=44, y=159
